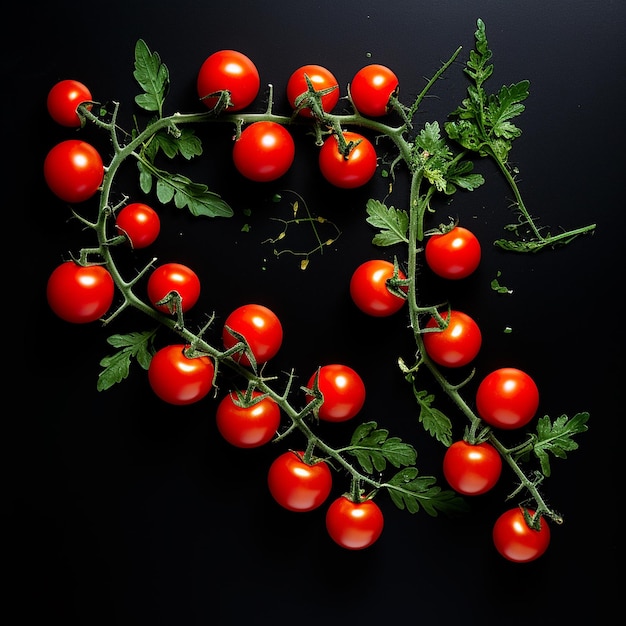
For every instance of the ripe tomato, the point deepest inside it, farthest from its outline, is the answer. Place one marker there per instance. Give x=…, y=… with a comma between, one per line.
x=354, y=525
x=371, y=88
x=178, y=379
x=507, y=398
x=456, y=345
x=264, y=151
x=63, y=100
x=173, y=277
x=516, y=541
x=453, y=255
x=80, y=294
x=368, y=288
x=297, y=486
x=228, y=70
x=73, y=170
x=472, y=469
x=321, y=78
x=343, y=390
x=140, y=223
x=261, y=328
x=250, y=426
x=352, y=171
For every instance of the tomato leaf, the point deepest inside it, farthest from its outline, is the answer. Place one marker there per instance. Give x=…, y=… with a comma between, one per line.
x=556, y=437
x=433, y=420
x=152, y=76
x=410, y=491
x=117, y=366
x=373, y=448
x=393, y=223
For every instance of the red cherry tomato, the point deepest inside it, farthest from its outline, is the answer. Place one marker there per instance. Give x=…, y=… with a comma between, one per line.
x=352, y=171
x=516, y=541
x=456, y=345
x=507, y=398
x=247, y=426
x=371, y=88
x=453, y=255
x=140, y=223
x=80, y=294
x=173, y=277
x=264, y=151
x=297, y=486
x=228, y=70
x=63, y=100
x=368, y=288
x=261, y=328
x=343, y=390
x=472, y=469
x=73, y=170
x=321, y=78
x=354, y=525
x=179, y=379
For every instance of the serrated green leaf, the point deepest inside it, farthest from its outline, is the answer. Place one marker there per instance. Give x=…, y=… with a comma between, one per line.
x=393, y=223
x=185, y=143
x=152, y=76
x=433, y=420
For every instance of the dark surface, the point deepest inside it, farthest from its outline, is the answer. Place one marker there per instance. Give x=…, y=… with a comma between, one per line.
x=127, y=511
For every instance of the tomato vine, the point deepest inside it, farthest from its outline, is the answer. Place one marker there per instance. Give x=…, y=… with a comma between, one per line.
x=436, y=159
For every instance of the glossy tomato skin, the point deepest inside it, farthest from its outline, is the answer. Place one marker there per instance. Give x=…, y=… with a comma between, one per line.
x=264, y=151
x=516, y=541
x=458, y=344
x=80, y=294
x=247, y=427
x=260, y=326
x=63, y=100
x=368, y=288
x=343, y=390
x=507, y=398
x=297, y=486
x=472, y=469
x=73, y=170
x=178, y=379
x=453, y=255
x=228, y=70
x=322, y=78
x=354, y=525
x=173, y=277
x=371, y=88
x=140, y=223
x=354, y=171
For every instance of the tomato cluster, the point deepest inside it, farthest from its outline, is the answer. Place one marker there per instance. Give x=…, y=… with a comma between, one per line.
x=252, y=334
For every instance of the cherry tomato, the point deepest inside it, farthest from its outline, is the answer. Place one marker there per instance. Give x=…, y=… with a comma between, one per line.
x=516, y=541
x=352, y=171
x=368, y=288
x=250, y=426
x=343, y=390
x=453, y=255
x=173, y=277
x=140, y=223
x=261, y=328
x=228, y=70
x=472, y=469
x=264, y=151
x=73, y=170
x=63, y=100
x=321, y=78
x=354, y=525
x=80, y=294
x=297, y=486
x=507, y=398
x=179, y=379
x=456, y=345
x=371, y=88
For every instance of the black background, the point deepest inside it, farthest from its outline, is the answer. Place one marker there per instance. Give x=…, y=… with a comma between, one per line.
x=126, y=511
